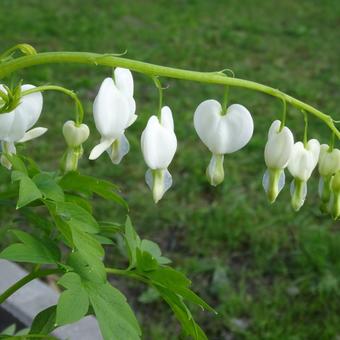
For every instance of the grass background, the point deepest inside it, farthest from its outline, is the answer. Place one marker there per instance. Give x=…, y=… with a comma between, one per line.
x=271, y=273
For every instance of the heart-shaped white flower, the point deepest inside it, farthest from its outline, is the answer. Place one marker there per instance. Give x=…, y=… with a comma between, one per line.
x=329, y=161
x=223, y=133
x=114, y=111
x=75, y=135
x=159, y=144
x=302, y=162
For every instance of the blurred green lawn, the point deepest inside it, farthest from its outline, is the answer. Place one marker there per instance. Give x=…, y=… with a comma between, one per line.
x=271, y=273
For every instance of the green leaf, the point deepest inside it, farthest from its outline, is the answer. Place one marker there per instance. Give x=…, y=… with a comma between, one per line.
x=76, y=216
x=81, y=202
x=182, y=314
x=115, y=317
x=28, y=192
x=93, y=271
x=44, y=322
x=145, y=261
x=75, y=182
x=31, y=250
x=73, y=303
x=48, y=187
x=132, y=242
x=62, y=226
x=153, y=249
x=18, y=164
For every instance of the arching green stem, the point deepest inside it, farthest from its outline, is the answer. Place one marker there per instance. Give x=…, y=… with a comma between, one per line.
x=79, y=106
x=152, y=70
x=26, y=279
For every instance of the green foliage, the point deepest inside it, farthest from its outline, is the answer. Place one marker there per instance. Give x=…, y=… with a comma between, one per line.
x=87, y=289
x=244, y=256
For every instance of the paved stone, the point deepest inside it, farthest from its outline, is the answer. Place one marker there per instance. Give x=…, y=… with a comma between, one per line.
x=36, y=296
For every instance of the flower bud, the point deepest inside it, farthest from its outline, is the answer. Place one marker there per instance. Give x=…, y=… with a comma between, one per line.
x=329, y=161
x=75, y=135
x=215, y=171
x=277, y=152
x=301, y=165
x=335, y=187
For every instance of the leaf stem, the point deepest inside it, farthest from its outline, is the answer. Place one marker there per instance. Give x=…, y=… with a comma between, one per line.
x=26, y=279
x=152, y=70
x=127, y=273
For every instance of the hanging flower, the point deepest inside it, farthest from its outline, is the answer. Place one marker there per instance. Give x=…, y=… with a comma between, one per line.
x=277, y=152
x=222, y=132
x=159, y=144
x=301, y=164
x=15, y=126
x=335, y=201
x=74, y=136
x=114, y=111
x=329, y=164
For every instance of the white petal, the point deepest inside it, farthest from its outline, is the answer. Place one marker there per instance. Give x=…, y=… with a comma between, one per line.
x=302, y=162
x=159, y=181
x=223, y=133
x=206, y=119
x=100, y=148
x=166, y=118
x=75, y=135
x=158, y=144
x=124, y=81
x=329, y=162
x=313, y=145
x=119, y=148
x=279, y=146
x=6, y=122
x=33, y=133
x=30, y=106
x=110, y=110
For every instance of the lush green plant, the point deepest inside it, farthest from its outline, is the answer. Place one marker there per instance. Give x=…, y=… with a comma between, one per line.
x=58, y=205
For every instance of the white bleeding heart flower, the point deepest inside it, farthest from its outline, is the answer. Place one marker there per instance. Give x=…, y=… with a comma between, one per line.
x=329, y=161
x=329, y=164
x=16, y=126
x=277, y=153
x=301, y=165
x=74, y=136
x=335, y=201
x=159, y=144
x=222, y=132
x=114, y=111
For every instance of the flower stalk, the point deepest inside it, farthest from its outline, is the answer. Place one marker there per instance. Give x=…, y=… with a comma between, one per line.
x=152, y=70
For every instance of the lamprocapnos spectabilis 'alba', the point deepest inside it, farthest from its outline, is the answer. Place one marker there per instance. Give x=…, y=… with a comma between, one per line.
x=302, y=162
x=222, y=132
x=159, y=144
x=114, y=111
x=277, y=152
x=329, y=164
x=75, y=135
x=16, y=125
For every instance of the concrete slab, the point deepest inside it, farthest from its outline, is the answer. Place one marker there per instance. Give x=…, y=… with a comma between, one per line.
x=31, y=299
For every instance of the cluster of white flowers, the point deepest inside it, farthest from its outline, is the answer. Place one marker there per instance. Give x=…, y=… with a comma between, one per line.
x=301, y=159
x=222, y=130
